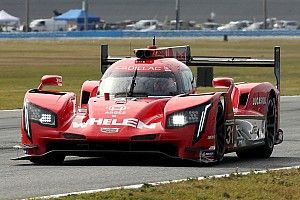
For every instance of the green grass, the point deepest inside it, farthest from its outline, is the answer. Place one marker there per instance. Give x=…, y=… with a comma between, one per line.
x=23, y=63
x=279, y=185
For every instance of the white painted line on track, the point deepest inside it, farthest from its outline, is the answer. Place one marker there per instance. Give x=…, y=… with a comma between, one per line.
x=13, y=110
x=137, y=186
x=286, y=97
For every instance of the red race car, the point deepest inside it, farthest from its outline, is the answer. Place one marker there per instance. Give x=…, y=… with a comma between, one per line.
x=148, y=104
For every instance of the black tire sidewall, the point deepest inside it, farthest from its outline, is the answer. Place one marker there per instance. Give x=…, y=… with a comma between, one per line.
x=220, y=134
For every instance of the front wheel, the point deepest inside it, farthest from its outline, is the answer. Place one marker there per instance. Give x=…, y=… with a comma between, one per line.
x=220, y=134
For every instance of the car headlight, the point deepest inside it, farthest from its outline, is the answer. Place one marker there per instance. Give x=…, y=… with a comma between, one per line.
x=39, y=115
x=196, y=114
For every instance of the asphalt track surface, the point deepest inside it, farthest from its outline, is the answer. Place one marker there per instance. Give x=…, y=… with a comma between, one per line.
x=21, y=179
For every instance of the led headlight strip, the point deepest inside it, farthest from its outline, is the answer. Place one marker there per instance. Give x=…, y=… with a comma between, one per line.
x=202, y=119
x=26, y=119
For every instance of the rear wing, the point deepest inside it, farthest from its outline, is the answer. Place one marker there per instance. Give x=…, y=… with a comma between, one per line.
x=183, y=54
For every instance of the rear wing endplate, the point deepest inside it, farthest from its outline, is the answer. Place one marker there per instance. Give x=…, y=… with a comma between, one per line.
x=200, y=61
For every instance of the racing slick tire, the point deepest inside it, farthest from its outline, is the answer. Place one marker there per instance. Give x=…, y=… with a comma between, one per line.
x=266, y=150
x=55, y=159
x=220, y=134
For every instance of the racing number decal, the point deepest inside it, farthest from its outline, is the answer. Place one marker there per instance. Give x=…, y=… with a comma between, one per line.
x=229, y=135
x=229, y=132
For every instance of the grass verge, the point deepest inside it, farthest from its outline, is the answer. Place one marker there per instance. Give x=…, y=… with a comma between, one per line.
x=24, y=62
x=283, y=184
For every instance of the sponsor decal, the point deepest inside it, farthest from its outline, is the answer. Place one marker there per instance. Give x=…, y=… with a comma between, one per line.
x=212, y=148
x=229, y=122
x=131, y=122
x=116, y=110
x=206, y=156
x=259, y=101
x=211, y=137
x=110, y=130
x=140, y=68
x=167, y=69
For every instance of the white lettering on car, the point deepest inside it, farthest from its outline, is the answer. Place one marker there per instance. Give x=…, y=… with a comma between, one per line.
x=116, y=110
x=115, y=122
x=140, y=68
x=259, y=101
x=167, y=69
x=131, y=122
x=107, y=121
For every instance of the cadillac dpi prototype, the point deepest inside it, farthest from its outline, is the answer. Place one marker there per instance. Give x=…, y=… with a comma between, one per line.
x=147, y=104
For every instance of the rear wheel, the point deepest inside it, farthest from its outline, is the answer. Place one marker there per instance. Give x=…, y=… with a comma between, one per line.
x=266, y=150
x=220, y=134
x=55, y=159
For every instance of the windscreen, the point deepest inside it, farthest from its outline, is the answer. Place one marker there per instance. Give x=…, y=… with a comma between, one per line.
x=121, y=83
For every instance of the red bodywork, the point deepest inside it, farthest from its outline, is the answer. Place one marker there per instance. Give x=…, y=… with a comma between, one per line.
x=97, y=126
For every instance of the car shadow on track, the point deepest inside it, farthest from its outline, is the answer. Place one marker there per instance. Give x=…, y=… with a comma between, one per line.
x=131, y=161
x=228, y=162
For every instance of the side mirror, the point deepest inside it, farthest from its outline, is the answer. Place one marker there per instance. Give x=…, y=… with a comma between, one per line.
x=53, y=80
x=222, y=82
